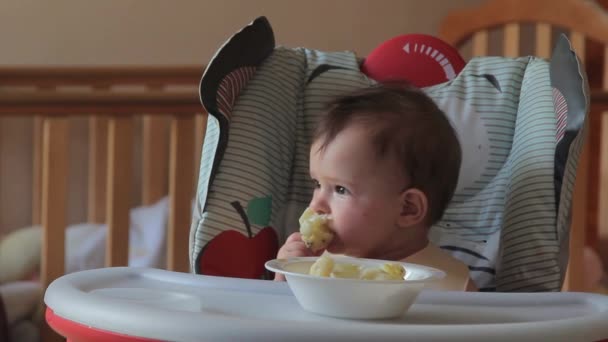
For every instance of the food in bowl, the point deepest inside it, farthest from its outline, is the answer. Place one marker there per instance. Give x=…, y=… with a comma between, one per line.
x=325, y=266
x=315, y=230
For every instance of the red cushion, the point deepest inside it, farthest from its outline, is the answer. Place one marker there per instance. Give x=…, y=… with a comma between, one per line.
x=420, y=59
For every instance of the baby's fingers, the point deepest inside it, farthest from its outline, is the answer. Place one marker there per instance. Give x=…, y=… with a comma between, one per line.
x=294, y=249
x=295, y=237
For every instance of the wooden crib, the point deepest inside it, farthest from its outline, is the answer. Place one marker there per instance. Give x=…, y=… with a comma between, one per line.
x=112, y=99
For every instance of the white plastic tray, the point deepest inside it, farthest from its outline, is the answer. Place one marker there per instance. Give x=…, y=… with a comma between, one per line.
x=173, y=306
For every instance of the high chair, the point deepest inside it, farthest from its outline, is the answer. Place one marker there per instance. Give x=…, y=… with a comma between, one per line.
x=475, y=27
x=263, y=102
x=509, y=218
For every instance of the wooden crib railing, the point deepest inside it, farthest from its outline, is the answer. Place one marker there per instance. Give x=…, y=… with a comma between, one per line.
x=112, y=98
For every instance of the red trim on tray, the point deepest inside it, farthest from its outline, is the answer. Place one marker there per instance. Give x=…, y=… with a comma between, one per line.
x=76, y=332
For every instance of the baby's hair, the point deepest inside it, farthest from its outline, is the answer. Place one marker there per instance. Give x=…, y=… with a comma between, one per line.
x=405, y=124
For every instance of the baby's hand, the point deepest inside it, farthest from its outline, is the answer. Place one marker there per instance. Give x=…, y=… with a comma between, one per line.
x=293, y=247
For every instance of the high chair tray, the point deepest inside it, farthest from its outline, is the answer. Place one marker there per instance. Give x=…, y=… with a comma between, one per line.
x=170, y=306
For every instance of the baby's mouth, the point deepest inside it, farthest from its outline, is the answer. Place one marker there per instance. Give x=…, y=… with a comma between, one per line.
x=335, y=244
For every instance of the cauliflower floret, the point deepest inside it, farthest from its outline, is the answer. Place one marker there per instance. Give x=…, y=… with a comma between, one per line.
x=315, y=230
x=325, y=266
x=387, y=271
x=343, y=270
x=322, y=267
x=394, y=270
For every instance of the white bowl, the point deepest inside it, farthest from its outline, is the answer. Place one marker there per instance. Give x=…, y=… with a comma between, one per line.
x=353, y=298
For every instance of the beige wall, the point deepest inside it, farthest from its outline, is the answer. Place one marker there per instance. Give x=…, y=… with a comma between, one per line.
x=77, y=32
x=189, y=31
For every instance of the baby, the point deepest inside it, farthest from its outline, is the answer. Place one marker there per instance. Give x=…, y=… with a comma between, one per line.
x=384, y=163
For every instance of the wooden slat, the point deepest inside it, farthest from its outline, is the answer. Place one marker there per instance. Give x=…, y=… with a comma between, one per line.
x=480, y=43
x=119, y=188
x=603, y=172
x=597, y=61
x=37, y=165
x=15, y=101
x=53, y=206
x=575, y=275
x=603, y=186
x=578, y=43
x=597, y=197
x=37, y=170
x=98, y=159
x=511, y=40
x=155, y=158
x=54, y=198
x=543, y=40
x=599, y=100
x=593, y=179
x=181, y=188
x=1, y=122
x=605, y=78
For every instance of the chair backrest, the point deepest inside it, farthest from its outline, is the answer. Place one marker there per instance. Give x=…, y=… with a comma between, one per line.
x=584, y=20
x=264, y=102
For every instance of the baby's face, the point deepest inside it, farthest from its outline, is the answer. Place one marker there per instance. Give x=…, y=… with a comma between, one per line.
x=360, y=191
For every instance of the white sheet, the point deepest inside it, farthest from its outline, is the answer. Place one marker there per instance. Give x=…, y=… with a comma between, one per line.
x=85, y=242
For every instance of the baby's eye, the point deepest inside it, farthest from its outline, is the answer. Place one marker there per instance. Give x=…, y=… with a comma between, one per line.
x=316, y=184
x=340, y=190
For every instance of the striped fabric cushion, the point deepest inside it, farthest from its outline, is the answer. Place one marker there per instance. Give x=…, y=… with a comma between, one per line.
x=269, y=138
x=502, y=224
x=503, y=220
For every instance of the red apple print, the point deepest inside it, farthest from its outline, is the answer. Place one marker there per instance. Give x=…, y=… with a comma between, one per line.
x=232, y=254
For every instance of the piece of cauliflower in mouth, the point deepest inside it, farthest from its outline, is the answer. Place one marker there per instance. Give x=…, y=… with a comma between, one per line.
x=315, y=230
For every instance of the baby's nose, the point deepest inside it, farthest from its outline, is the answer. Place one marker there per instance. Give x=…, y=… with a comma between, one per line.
x=319, y=205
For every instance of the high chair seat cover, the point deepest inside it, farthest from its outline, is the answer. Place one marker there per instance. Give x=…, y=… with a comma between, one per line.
x=519, y=122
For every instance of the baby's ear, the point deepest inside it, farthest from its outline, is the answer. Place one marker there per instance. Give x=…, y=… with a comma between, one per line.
x=414, y=208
